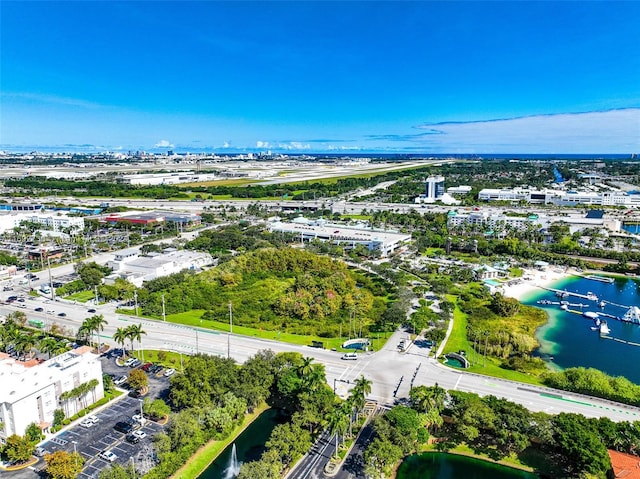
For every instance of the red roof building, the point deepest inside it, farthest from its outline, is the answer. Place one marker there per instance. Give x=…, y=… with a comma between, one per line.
x=625, y=466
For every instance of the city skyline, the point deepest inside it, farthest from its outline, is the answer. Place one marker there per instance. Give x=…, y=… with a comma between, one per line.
x=321, y=77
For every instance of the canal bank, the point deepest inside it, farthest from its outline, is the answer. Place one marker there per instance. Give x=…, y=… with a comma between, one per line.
x=208, y=453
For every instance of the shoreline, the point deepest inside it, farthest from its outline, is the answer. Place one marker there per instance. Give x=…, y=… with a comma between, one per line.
x=534, y=280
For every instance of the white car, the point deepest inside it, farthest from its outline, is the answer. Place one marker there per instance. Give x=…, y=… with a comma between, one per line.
x=139, y=418
x=169, y=372
x=86, y=423
x=108, y=455
x=139, y=434
x=93, y=419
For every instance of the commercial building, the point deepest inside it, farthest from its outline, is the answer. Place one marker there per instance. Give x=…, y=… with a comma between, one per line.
x=561, y=197
x=384, y=241
x=31, y=391
x=167, y=178
x=434, y=188
x=154, y=217
x=137, y=269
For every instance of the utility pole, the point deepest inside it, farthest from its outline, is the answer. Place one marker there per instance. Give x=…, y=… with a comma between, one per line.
x=164, y=313
x=50, y=280
x=95, y=289
x=135, y=298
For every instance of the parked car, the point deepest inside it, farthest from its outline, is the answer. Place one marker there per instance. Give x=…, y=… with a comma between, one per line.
x=133, y=439
x=140, y=419
x=108, y=455
x=120, y=380
x=135, y=363
x=129, y=361
x=169, y=372
x=145, y=367
x=139, y=434
x=123, y=427
x=86, y=423
x=93, y=419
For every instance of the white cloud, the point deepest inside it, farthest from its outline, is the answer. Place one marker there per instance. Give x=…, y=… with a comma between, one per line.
x=294, y=145
x=163, y=144
x=226, y=144
x=263, y=144
x=612, y=131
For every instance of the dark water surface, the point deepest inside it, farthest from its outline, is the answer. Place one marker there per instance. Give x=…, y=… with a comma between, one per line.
x=249, y=445
x=439, y=465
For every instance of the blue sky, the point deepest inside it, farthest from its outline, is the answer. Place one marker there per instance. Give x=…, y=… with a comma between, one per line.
x=331, y=76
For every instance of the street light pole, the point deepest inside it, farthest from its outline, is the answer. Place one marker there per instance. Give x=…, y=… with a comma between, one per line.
x=135, y=298
x=164, y=314
x=230, y=331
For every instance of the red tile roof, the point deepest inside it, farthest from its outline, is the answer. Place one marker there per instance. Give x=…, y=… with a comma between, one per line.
x=625, y=466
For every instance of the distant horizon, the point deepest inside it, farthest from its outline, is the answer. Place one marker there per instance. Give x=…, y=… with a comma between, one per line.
x=368, y=77
x=370, y=154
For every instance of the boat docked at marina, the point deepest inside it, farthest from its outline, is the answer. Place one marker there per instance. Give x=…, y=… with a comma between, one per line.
x=602, y=279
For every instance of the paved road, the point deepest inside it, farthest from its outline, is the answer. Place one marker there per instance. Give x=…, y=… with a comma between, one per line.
x=392, y=372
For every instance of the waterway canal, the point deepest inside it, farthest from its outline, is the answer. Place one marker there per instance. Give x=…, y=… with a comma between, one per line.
x=569, y=339
x=438, y=465
x=249, y=445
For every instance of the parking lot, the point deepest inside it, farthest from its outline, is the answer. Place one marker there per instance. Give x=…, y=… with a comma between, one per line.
x=92, y=440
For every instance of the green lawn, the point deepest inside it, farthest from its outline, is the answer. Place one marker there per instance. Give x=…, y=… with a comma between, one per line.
x=194, y=318
x=491, y=367
x=82, y=296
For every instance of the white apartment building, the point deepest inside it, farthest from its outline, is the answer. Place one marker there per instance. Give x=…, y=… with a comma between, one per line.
x=485, y=219
x=31, y=390
x=55, y=221
x=500, y=223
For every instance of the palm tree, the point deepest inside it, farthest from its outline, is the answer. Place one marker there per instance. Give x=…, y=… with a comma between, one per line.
x=360, y=392
x=97, y=323
x=338, y=422
x=24, y=343
x=85, y=330
x=48, y=345
x=135, y=332
x=120, y=337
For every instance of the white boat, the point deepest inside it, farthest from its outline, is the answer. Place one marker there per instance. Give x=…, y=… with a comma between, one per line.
x=602, y=304
x=594, y=328
x=590, y=315
x=592, y=296
x=604, y=328
x=564, y=307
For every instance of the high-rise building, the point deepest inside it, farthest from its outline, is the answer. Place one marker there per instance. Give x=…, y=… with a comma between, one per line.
x=434, y=187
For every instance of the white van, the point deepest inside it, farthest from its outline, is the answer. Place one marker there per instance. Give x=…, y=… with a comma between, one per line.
x=350, y=356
